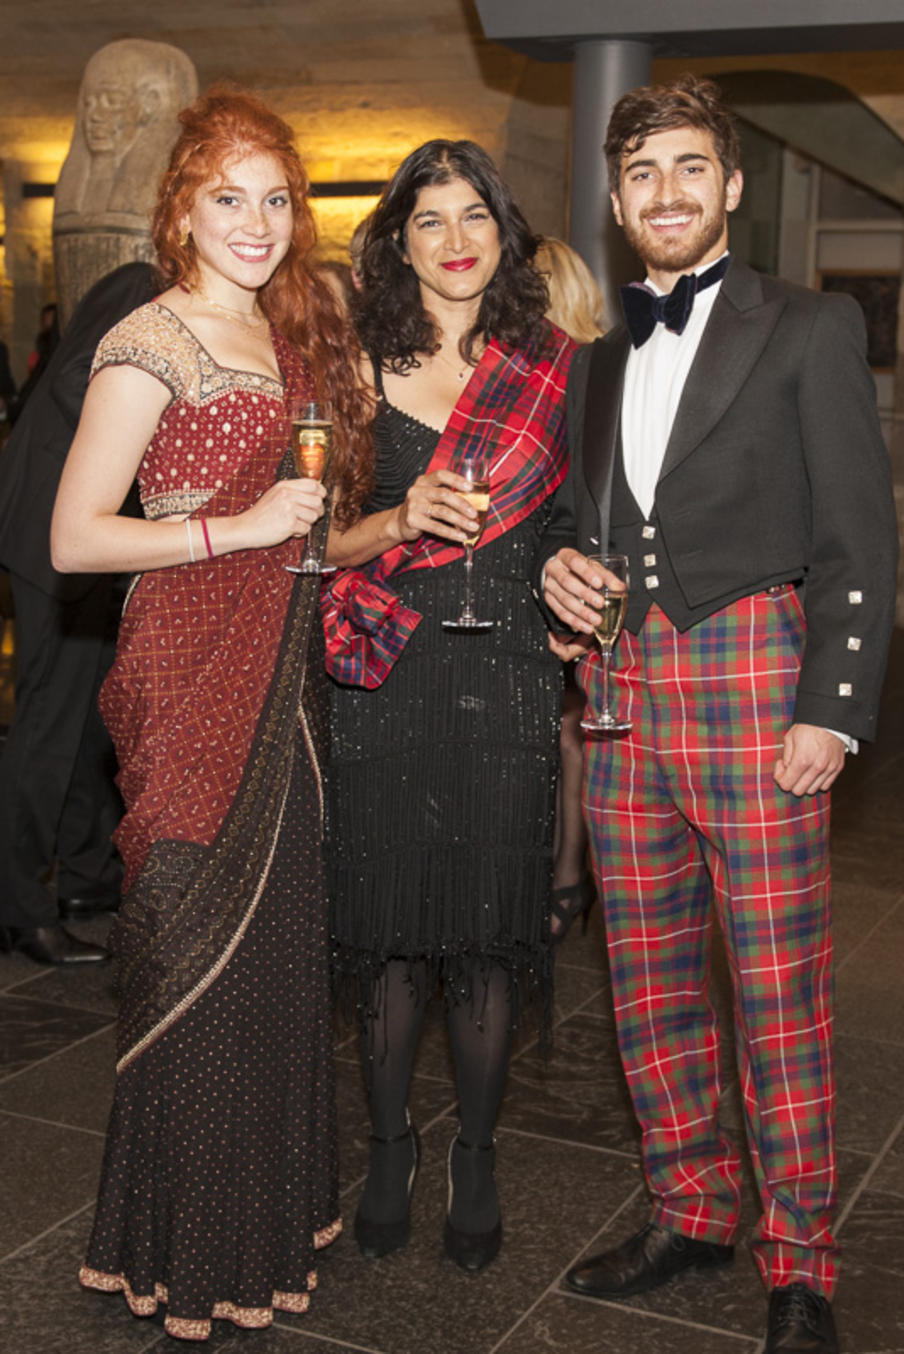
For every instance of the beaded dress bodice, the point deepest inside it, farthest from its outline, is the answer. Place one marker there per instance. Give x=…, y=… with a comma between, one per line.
x=215, y=419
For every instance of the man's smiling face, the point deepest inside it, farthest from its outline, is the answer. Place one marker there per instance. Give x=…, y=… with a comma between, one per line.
x=673, y=199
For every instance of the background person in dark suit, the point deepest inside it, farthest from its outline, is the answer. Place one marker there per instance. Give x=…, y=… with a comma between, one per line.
x=730, y=447
x=7, y=384
x=57, y=798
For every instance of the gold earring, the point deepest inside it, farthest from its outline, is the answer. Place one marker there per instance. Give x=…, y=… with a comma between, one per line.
x=184, y=234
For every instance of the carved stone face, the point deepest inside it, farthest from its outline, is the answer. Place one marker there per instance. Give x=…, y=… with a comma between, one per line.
x=112, y=108
x=126, y=124
x=112, y=117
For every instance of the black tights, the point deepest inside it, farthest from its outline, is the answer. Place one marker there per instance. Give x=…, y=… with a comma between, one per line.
x=480, y=1032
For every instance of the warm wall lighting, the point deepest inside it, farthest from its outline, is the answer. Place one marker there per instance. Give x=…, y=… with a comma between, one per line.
x=336, y=219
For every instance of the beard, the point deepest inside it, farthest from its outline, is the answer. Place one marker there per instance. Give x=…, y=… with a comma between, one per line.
x=676, y=255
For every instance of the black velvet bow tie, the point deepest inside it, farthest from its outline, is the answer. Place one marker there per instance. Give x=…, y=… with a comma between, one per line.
x=643, y=309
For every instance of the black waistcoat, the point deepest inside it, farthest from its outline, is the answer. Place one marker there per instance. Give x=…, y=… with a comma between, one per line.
x=641, y=539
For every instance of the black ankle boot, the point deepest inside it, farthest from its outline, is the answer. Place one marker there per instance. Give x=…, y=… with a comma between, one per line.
x=473, y=1232
x=387, y=1192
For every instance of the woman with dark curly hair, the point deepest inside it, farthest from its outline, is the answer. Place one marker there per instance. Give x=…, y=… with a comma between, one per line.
x=219, y=1180
x=445, y=740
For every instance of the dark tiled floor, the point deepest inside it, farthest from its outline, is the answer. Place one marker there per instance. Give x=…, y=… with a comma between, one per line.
x=567, y=1157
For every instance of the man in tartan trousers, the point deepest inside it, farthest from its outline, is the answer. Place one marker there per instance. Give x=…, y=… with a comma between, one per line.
x=725, y=439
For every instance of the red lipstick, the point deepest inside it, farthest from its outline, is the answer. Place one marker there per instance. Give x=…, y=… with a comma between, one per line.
x=459, y=265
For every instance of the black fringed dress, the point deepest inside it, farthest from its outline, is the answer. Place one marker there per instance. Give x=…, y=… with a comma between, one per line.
x=441, y=785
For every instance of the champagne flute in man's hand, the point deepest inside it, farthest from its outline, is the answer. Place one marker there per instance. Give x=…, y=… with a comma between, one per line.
x=607, y=630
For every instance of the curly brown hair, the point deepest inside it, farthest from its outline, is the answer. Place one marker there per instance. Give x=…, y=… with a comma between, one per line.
x=225, y=125
x=689, y=101
x=392, y=323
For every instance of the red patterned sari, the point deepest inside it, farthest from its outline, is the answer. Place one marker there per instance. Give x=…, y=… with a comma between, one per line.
x=219, y=1180
x=203, y=703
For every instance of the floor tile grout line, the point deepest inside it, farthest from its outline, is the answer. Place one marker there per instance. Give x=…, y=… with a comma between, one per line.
x=569, y=1142
x=585, y=968
x=51, y=1123
x=159, y=1341
x=868, y=1038
x=57, y=1053
x=327, y=1339
x=870, y=1172
x=553, y=1287
x=67, y=1005
x=33, y=1240
x=754, y=1340
x=842, y=963
x=532, y=1045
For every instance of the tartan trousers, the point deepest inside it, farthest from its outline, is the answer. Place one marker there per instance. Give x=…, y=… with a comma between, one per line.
x=684, y=816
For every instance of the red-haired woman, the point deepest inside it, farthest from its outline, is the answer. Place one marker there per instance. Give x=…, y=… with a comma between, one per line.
x=219, y=1180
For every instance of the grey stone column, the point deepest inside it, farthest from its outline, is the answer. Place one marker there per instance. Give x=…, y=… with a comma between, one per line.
x=603, y=71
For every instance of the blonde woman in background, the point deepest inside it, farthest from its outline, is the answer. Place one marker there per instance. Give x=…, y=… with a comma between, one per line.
x=575, y=305
x=575, y=301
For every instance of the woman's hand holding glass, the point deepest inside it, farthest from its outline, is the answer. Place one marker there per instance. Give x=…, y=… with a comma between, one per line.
x=288, y=508
x=435, y=504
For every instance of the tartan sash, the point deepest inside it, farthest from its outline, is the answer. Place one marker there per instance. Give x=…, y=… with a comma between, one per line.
x=513, y=409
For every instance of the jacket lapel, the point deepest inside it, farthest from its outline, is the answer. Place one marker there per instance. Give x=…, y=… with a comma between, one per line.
x=737, y=332
x=602, y=413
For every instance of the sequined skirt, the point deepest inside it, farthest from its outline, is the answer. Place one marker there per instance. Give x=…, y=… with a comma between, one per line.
x=220, y=1175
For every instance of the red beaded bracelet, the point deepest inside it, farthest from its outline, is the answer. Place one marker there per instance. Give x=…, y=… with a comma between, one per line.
x=203, y=522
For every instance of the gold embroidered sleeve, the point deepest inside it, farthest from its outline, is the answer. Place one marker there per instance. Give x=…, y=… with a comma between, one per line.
x=152, y=339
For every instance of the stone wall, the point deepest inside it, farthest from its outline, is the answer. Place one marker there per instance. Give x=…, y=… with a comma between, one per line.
x=362, y=83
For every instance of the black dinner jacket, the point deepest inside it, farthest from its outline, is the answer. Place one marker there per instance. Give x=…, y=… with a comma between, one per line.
x=32, y=460
x=775, y=470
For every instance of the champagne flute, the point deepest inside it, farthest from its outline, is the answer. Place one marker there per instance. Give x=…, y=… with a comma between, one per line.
x=312, y=444
x=607, y=631
x=475, y=468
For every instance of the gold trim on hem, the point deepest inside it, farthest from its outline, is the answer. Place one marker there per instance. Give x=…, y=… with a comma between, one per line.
x=199, y=1328
x=325, y=1237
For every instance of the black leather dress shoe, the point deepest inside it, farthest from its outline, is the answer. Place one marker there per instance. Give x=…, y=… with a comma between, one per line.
x=52, y=945
x=644, y=1261
x=75, y=909
x=800, y=1322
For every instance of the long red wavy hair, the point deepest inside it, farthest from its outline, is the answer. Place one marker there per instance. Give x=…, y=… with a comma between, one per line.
x=225, y=125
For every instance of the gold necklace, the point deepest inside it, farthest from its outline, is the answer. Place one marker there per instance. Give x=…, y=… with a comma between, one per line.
x=236, y=316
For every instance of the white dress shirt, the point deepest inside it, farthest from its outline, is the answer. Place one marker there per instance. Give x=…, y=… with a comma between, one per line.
x=654, y=383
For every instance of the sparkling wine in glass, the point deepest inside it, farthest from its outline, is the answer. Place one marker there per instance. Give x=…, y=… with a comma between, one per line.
x=476, y=470
x=607, y=630
x=312, y=445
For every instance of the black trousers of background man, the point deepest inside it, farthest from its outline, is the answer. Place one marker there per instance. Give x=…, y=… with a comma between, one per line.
x=57, y=798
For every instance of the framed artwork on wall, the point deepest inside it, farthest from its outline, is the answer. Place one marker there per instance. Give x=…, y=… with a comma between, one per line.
x=878, y=295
